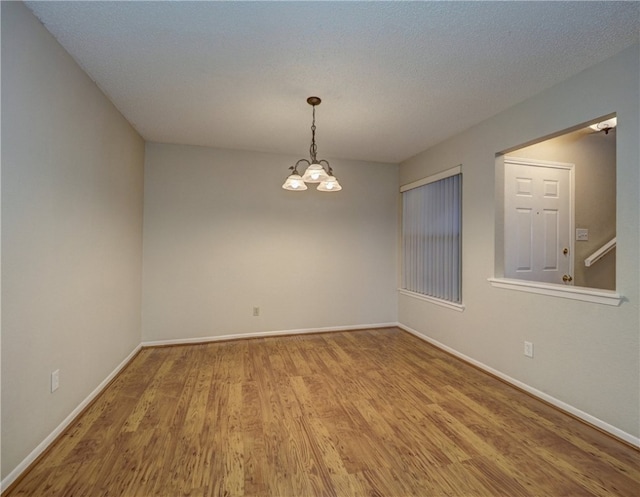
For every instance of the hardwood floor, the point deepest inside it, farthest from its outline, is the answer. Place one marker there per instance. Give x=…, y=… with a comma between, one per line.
x=365, y=413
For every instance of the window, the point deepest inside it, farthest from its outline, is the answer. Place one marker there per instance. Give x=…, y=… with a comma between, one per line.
x=431, y=237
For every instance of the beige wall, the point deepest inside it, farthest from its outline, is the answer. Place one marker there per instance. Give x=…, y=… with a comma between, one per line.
x=72, y=184
x=594, y=156
x=586, y=355
x=221, y=236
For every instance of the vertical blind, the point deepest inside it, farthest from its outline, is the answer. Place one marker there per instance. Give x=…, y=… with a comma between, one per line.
x=431, y=238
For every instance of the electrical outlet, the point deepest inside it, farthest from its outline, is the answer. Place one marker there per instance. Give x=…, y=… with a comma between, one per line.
x=55, y=380
x=528, y=349
x=256, y=311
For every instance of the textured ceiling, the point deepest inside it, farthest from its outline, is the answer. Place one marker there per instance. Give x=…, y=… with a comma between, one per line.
x=394, y=77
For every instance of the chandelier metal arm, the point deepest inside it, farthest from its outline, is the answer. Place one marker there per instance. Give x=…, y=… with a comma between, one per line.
x=295, y=167
x=327, y=167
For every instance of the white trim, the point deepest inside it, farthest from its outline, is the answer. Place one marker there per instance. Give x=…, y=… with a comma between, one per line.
x=606, y=297
x=44, y=445
x=432, y=179
x=588, y=418
x=443, y=303
x=263, y=334
x=601, y=252
x=537, y=162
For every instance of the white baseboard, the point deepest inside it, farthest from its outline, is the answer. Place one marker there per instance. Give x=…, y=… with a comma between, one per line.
x=263, y=334
x=35, y=453
x=588, y=418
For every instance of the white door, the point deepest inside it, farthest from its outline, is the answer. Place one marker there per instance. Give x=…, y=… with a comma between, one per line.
x=538, y=220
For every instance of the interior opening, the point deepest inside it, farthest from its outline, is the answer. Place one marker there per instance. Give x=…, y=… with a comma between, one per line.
x=558, y=220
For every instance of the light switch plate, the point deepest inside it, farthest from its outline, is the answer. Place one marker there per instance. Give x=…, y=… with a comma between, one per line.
x=582, y=234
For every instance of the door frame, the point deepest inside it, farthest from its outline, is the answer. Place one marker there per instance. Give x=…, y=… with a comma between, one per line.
x=521, y=161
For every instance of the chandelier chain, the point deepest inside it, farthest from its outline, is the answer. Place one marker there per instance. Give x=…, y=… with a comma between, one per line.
x=313, y=149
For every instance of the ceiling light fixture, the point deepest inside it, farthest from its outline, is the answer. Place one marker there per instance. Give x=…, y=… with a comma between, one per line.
x=318, y=171
x=605, y=126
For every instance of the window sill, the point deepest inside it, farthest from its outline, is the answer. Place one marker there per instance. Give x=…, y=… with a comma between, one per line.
x=433, y=300
x=605, y=297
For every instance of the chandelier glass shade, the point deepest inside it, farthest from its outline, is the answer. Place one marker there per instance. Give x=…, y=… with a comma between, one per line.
x=294, y=182
x=329, y=185
x=317, y=171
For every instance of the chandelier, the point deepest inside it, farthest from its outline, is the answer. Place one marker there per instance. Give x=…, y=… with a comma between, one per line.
x=318, y=171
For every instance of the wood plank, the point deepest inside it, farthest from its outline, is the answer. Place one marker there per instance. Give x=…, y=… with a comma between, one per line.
x=363, y=413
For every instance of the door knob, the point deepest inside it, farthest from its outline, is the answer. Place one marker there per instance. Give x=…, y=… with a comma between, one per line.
x=565, y=251
x=566, y=278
